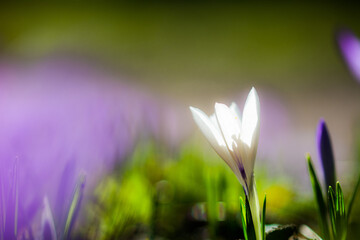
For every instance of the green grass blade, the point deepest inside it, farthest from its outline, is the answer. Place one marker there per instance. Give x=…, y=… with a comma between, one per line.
x=263, y=219
x=211, y=198
x=332, y=209
x=249, y=222
x=340, y=197
x=74, y=206
x=319, y=198
x=342, y=219
x=243, y=217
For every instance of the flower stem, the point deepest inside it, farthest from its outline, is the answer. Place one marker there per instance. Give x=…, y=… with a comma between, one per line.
x=255, y=210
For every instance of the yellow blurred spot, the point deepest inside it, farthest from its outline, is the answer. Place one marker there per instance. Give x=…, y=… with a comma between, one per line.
x=277, y=197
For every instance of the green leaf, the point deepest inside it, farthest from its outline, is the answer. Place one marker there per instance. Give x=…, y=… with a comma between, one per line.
x=337, y=212
x=249, y=222
x=332, y=209
x=352, y=198
x=319, y=198
x=340, y=199
x=74, y=206
x=243, y=217
x=263, y=219
x=341, y=214
x=211, y=197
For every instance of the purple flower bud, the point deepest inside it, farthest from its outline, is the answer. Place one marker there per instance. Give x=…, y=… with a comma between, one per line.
x=349, y=46
x=326, y=154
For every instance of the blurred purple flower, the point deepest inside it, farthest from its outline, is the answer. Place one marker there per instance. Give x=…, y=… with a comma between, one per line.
x=48, y=231
x=59, y=119
x=326, y=154
x=166, y=123
x=350, y=48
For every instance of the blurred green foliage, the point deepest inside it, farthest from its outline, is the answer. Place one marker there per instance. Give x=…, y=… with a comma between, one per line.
x=192, y=195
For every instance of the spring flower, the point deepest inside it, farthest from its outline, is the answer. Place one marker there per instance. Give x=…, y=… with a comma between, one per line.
x=60, y=117
x=235, y=139
x=349, y=46
x=48, y=230
x=326, y=154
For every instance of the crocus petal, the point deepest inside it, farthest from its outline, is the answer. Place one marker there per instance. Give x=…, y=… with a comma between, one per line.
x=228, y=122
x=326, y=154
x=350, y=49
x=250, y=129
x=233, y=138
x=211, y=131
x=230, y=128
x=215, y=122
x=250, y=121
x=47, y=221
x=235, y=109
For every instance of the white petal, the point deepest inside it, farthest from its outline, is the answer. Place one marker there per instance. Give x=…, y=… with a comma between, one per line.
x=228, y=122
x=230, y=125
x=207, y=127
x=250, y=131
x=212, y=133
x=215, y=122
x=251, y=118
x=235, y=109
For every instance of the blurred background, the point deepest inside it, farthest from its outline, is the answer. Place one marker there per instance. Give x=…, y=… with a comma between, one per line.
x=103, y=89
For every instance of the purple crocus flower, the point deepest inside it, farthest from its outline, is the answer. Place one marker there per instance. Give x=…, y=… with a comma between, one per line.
x=48, y=231
x=350, y=48
x=326, y=154
x=58, y=120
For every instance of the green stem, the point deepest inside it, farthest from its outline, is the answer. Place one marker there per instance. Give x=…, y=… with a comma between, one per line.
x=255, y=210
x=211, y=192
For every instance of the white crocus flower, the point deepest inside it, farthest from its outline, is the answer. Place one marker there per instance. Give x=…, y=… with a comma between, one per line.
x=235, y=139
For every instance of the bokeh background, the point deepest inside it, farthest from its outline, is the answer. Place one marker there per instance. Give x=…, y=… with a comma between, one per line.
x=104, y=88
